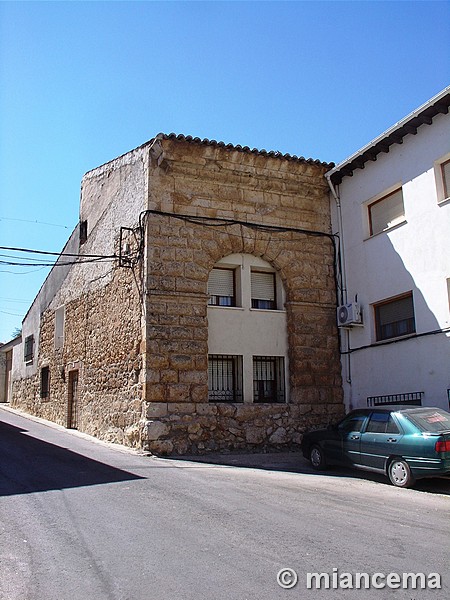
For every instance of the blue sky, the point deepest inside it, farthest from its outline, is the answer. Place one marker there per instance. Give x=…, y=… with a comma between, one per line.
x=83, y=82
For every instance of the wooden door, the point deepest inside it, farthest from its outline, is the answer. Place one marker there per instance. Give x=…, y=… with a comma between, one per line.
x=72, y=405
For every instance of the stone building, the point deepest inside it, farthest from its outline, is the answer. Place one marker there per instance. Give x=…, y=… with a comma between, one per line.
x=193, y=307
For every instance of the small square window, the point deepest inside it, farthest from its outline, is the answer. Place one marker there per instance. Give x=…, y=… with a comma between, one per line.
x=394, y=318
x=222, y=287
x=45, y=382
x=386, y=212
x=29, y=349
x=224, y=378
x=263, y=290
x=268, y=379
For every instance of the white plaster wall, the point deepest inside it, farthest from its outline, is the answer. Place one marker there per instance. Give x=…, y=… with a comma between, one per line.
x=412, y=256
x=245, y=331
x=32, y=320
x=112, y=196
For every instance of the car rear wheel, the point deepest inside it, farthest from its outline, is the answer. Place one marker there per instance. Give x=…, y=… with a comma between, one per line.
x=317, y=458
x=400, y=473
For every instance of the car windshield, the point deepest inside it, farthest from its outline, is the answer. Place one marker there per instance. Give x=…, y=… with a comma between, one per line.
x=434, y=420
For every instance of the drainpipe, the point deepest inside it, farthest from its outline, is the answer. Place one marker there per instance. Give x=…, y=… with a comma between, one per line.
x=344, y=296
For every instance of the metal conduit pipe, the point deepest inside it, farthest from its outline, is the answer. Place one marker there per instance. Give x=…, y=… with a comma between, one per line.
x=344, y=296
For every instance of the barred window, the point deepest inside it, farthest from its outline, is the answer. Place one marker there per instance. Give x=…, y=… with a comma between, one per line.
x=268, y=379
x=45, y=382
x=263, y=290
x=224, y=378
x=222, y=287
x=394, y=318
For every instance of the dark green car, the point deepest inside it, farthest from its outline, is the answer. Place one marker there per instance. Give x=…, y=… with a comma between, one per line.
x=403, y=443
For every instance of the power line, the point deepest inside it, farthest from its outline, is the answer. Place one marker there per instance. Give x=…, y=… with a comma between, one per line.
x=54, y=264
x=11, y=314
x=35, y=222
x=21, y=273
x=28, y=250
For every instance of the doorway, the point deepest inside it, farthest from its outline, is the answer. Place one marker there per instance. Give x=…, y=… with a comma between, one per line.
x=72, y=404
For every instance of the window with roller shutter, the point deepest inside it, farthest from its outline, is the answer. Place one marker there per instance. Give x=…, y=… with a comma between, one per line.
x=386, y=212
x=221, y=287
x=263, y=290
x=395, y=317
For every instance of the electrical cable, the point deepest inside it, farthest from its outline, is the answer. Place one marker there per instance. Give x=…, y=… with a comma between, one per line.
x=57, y=253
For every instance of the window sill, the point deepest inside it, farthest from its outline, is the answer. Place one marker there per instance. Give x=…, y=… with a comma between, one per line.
x=444, y=201
x=269, y=310
x=398, y=338
x=386, y=230
x=216, y=306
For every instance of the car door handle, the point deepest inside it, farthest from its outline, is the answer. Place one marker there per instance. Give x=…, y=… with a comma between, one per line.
x=354, y=437
x=392, y=439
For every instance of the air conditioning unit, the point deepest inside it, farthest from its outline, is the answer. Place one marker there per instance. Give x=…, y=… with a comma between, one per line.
x=349, y=314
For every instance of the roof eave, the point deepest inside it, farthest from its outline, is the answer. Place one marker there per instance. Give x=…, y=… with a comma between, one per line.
x=394, y=135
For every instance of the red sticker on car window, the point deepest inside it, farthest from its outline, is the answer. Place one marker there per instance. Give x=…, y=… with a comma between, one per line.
x=436, y=418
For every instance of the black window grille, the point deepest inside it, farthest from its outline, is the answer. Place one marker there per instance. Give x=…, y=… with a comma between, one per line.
x=268, y=379
x=224, y=378
x=411, y=398
x=45, y=382
x=29, y=349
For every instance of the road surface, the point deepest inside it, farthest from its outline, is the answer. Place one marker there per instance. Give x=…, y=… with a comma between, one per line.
x=84, y=520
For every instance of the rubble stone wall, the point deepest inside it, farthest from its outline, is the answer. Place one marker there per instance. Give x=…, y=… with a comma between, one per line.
x=102, y=341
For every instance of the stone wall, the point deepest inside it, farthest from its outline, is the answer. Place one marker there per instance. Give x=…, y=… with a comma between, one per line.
x=102, y=341
x=139, y=337
x=208, y=181
x=103, y=315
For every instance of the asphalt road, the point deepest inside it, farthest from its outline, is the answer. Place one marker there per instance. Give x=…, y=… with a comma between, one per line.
x=83, y=520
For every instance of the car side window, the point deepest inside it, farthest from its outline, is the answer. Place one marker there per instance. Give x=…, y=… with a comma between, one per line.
x=377, y=423
x=382, y=423
x=392, y=426
x=352, y=423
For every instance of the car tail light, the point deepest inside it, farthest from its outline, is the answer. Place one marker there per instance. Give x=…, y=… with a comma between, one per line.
x=442, y=446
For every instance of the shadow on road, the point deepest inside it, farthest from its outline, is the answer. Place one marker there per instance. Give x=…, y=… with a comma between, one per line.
x=28, y=465
x=294, y=462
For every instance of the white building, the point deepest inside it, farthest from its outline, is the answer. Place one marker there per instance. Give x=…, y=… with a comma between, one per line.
x=391, y=209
